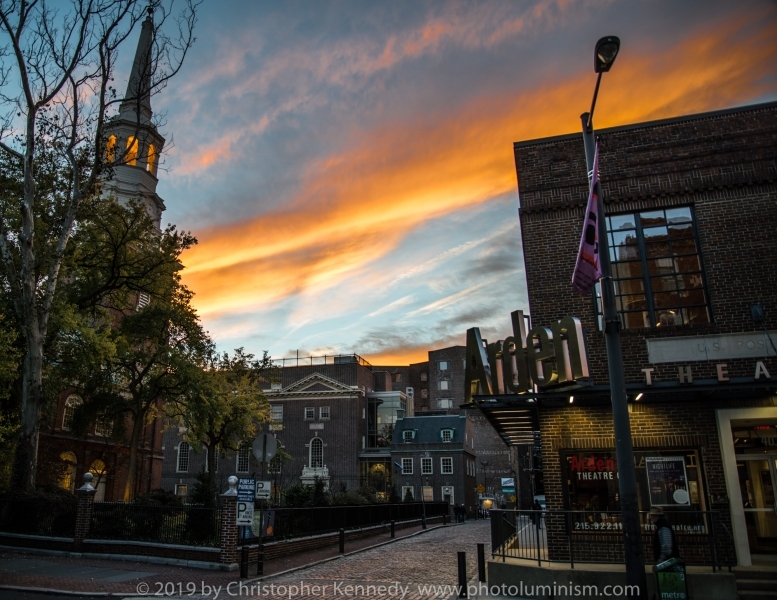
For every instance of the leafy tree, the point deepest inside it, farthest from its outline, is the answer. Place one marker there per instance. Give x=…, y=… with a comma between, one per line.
x=56, y=103
x=319, y=496
x=225, y=403
x=298, y=495
x=204, y=491
x=394, y=495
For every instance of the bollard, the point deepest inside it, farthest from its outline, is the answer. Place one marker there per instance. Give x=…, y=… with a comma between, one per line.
x=423, y=521
x=243, y=562
x=462, y=574
x=342, y=541
x=444, y=518
x=482, y=562
x=392, y=530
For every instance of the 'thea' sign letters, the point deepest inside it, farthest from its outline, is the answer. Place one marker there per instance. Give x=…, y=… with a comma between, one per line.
x=544, y=357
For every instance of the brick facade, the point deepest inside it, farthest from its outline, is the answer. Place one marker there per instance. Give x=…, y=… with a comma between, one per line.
x=724, y=166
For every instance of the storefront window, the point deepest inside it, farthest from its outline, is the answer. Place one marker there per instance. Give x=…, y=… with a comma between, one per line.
x=754, y=439
x=667, y=478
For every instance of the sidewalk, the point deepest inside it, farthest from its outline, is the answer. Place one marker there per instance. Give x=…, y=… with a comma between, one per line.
x=29, y=570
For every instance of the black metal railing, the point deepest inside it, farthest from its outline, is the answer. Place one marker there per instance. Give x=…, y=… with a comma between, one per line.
x=301, y=522
x=56, y=518
x=189, y=525
x=597, y=536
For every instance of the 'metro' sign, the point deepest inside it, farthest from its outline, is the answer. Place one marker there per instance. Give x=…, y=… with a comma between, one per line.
x=544, y=357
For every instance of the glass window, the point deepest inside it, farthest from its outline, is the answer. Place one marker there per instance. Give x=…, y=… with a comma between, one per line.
x=444, y=385
x=656, y=269
x=426, y=466
x=323, y=412
x=446, y=466
x=382, y=418
x=444, y=403
x=424, y=393
x=407, y=436
x=447, y=435
x=131, y=158
x=110, y=149
x=424, y=376
x=180, y=490
x=183, y=457
x=316, y=453
x=407, y=493
x=71, y=404
x=407, y=466
x=443, y=365
x=152, y=158
x=397, y=377
x=276, y=412
x=310, y=413
x=243, y=458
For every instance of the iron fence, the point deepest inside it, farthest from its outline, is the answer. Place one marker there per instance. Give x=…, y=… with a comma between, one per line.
x=300, y=522
x=56, y=518
x=597, y=536
x=189, y=525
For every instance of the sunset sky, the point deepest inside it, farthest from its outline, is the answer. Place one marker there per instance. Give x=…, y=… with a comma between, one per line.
x=347, y=166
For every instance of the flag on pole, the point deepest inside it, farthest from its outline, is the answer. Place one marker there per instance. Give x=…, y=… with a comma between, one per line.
x=588, y=269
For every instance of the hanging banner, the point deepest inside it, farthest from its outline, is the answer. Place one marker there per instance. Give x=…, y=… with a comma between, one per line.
x=588, y=269
x=667, y=481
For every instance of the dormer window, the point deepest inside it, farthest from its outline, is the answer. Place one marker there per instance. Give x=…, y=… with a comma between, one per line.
x=152, y=159
x=447, y=435
x=110, y=149
x=408, y=435
x=131, y=158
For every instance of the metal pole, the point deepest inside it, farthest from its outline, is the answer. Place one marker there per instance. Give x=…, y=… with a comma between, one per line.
x=462, y=556
x=627, y=478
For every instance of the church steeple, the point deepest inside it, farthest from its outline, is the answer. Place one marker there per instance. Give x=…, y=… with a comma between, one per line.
x=137, y=99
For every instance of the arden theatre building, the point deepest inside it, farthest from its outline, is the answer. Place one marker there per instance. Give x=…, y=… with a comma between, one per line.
x=691, y=207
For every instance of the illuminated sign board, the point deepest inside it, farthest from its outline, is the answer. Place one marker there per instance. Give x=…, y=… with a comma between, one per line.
x=545, y=356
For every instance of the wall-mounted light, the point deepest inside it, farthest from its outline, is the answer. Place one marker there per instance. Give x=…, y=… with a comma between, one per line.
x=639, y=396
x=571, y=399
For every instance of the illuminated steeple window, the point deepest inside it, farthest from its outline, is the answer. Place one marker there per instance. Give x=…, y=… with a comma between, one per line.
x=132, y=151
x=152, y=159
x=110, y=149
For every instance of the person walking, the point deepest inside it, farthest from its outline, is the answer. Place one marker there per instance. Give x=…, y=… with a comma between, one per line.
x=537, y=517
x=664, y=541
x=456, y=512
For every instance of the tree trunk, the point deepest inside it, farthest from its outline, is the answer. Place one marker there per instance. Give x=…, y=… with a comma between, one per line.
x=137, y=429
x=25, y=462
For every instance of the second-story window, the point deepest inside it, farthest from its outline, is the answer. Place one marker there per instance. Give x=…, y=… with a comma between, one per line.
x=183, y=458
x=310, y=413
x=316, y=453
x=446, y=466
x=323, y=412
x=407, y=466
x=243, y=458
x=657, y=269
x=71, y=404
x=426, y=466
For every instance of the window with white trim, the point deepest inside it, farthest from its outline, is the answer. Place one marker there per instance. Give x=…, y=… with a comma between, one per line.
x=183, y=458
x=316, y=453
x=446, y=465
x=408, y=489
x=426, y=466
x=243, y=458
x=310, y=413
x=443, y=385
x=180, y=490
x=276, y=413
x=447, y=435
x=323, y=412
x=71, y=404
x=407, y=466
x=444, y=403
x=407, y=436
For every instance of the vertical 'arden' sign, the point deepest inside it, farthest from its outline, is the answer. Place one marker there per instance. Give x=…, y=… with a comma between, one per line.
x=543, y=357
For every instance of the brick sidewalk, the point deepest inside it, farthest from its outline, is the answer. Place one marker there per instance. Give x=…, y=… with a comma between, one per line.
x=94, y=575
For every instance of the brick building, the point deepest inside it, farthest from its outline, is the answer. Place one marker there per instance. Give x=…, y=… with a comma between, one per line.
x=434, y=456
x=691, y=204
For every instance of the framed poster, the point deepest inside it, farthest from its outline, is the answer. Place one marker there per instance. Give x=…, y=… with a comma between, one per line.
x=667, y=481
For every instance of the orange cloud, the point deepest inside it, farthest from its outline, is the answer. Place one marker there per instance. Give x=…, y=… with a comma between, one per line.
x=356, y=207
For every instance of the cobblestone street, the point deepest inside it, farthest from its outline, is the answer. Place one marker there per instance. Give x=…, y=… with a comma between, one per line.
x=429, y=559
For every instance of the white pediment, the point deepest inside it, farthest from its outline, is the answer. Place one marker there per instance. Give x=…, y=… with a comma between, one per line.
x=317, y=384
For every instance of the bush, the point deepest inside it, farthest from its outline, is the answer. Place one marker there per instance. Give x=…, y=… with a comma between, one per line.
x=298, y=495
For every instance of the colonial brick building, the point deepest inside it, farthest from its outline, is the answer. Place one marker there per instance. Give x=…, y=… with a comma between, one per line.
x=691, y=204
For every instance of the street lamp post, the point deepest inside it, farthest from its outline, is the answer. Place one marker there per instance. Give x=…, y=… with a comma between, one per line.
x=606, y=51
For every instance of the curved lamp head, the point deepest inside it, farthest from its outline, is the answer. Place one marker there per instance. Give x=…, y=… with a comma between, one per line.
x=606, y=51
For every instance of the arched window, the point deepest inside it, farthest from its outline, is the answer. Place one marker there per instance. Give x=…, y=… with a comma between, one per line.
x=131, y=157
x=151, y=160
x=67, y=480
x=71, y=404
x=110, y=149
x=316, y=453
x=183, y=457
